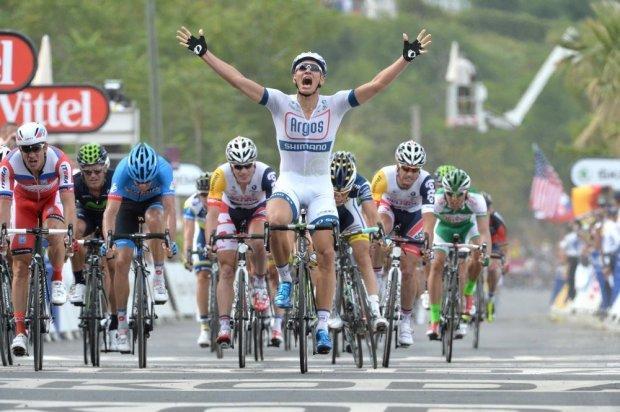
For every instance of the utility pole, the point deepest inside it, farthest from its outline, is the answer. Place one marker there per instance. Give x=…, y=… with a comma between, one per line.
x=156, y=122
x=416, y=123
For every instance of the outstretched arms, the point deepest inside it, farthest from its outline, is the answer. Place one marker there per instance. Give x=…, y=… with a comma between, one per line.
x=227, y=72
x=386, y=76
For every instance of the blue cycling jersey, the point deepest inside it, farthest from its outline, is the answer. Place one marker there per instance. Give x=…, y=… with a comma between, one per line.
x=124, y=187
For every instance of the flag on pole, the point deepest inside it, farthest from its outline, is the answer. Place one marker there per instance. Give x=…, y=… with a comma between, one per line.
x=547, y=191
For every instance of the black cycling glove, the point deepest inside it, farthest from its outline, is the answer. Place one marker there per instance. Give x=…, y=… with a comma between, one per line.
x=411, y=50
x=198, y=46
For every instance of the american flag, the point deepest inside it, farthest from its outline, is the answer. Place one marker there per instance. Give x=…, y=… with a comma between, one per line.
x=547, y=191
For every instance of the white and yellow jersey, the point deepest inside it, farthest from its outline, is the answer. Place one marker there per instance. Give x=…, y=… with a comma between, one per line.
x=419, y=197
x=226, y=190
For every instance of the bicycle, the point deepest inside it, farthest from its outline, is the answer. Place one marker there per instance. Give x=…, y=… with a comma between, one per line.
x=242, y=315
x=302, y=317
x=7, y=329
x=390, y=301
x=351, y=300
x=214, y=323
x=38, y=313
x=143, y=313
x=481, y=302
x=451, y=296
x=95, y=300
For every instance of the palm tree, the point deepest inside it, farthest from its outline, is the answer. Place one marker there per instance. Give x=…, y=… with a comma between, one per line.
x=597, y=72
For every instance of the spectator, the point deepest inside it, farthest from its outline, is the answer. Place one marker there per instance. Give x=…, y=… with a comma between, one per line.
x=572, y=247
x=8, y=132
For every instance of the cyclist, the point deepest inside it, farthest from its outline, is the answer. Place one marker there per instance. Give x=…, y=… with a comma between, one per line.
x=405, y=194
x=440, y=172
x=352, y=194
x=38, y=179
x=497, y=267
x=194, y=213
x=306, y=124
x=237, y=197
x=91, y=187
x=458, y=211
x=141, y=187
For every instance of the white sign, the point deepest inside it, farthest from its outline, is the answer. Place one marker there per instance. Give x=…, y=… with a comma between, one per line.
x=185, y=179
x=604, y=172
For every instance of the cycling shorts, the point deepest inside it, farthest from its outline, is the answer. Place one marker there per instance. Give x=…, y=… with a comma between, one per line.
x=232, y=222
x=92, y=220
x=351, y=220
x=26, y=216
x=445, y=233
x=128, y=214
x=314, y=193
x=405, y=223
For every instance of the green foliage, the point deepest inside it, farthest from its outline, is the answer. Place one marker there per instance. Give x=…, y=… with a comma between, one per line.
x=95, y=40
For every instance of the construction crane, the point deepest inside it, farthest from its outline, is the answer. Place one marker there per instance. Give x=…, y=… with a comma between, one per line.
x=466, y=95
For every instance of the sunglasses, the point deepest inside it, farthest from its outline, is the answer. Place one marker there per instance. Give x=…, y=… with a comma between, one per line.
x=96, y=172
x=138, y=183
x=33, y=148
x=409, y=169
x=309, y=66
x=453, y=195
x=203, y=194
x=245, y=166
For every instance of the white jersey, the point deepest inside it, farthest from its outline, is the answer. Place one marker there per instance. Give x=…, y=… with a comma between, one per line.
x=305, y=145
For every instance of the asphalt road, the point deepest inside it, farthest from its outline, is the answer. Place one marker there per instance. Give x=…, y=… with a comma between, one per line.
x=525, y=362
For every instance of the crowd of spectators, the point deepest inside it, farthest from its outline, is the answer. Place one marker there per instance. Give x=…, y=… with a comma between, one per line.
x=593, y=241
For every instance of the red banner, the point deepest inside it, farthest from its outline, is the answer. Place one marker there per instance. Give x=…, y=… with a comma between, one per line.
x=62, y=108
x=18, y=61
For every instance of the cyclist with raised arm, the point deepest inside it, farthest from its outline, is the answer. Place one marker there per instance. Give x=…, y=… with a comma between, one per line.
x=405, y=194
x=497, y=267
x=141, y=187
x=35, y=180
x=352, y=195
x=458, y=211
x=194, y=214
x=306, y=124
x=237, y=196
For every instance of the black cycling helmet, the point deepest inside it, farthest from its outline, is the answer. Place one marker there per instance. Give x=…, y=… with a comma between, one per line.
x=203, y=183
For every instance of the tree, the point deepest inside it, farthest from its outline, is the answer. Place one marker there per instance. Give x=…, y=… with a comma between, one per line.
x=597, y=71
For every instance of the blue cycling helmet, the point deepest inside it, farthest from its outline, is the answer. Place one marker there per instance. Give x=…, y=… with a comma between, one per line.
x=343, y=172
x=142, y=163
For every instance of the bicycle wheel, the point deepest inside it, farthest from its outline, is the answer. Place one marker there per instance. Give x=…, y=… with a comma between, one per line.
x=389, y=314
x=240, y=322
x=141, y=295
x=4, y=349
x=451, y=321
x=302, y=315
x=366, y=317
x=37, y=315
x=93, y=320
x=480, y=308
x=6, y=315
x=337, y=310
x=85, y=333
x=214, y=324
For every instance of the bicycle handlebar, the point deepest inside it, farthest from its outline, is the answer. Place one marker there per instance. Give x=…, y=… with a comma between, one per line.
x=39, y=231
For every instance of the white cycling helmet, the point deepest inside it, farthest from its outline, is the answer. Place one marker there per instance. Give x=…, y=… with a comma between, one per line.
x=4, y=151
x=31, y=133
x=241, y=150
x=410, y=153
x=309, y=56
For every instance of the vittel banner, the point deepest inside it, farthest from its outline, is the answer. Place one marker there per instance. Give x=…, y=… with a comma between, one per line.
x=18, y=61
x=61, y=108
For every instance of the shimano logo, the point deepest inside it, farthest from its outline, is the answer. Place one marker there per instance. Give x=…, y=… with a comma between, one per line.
x=305, y=128
x=305, y=147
